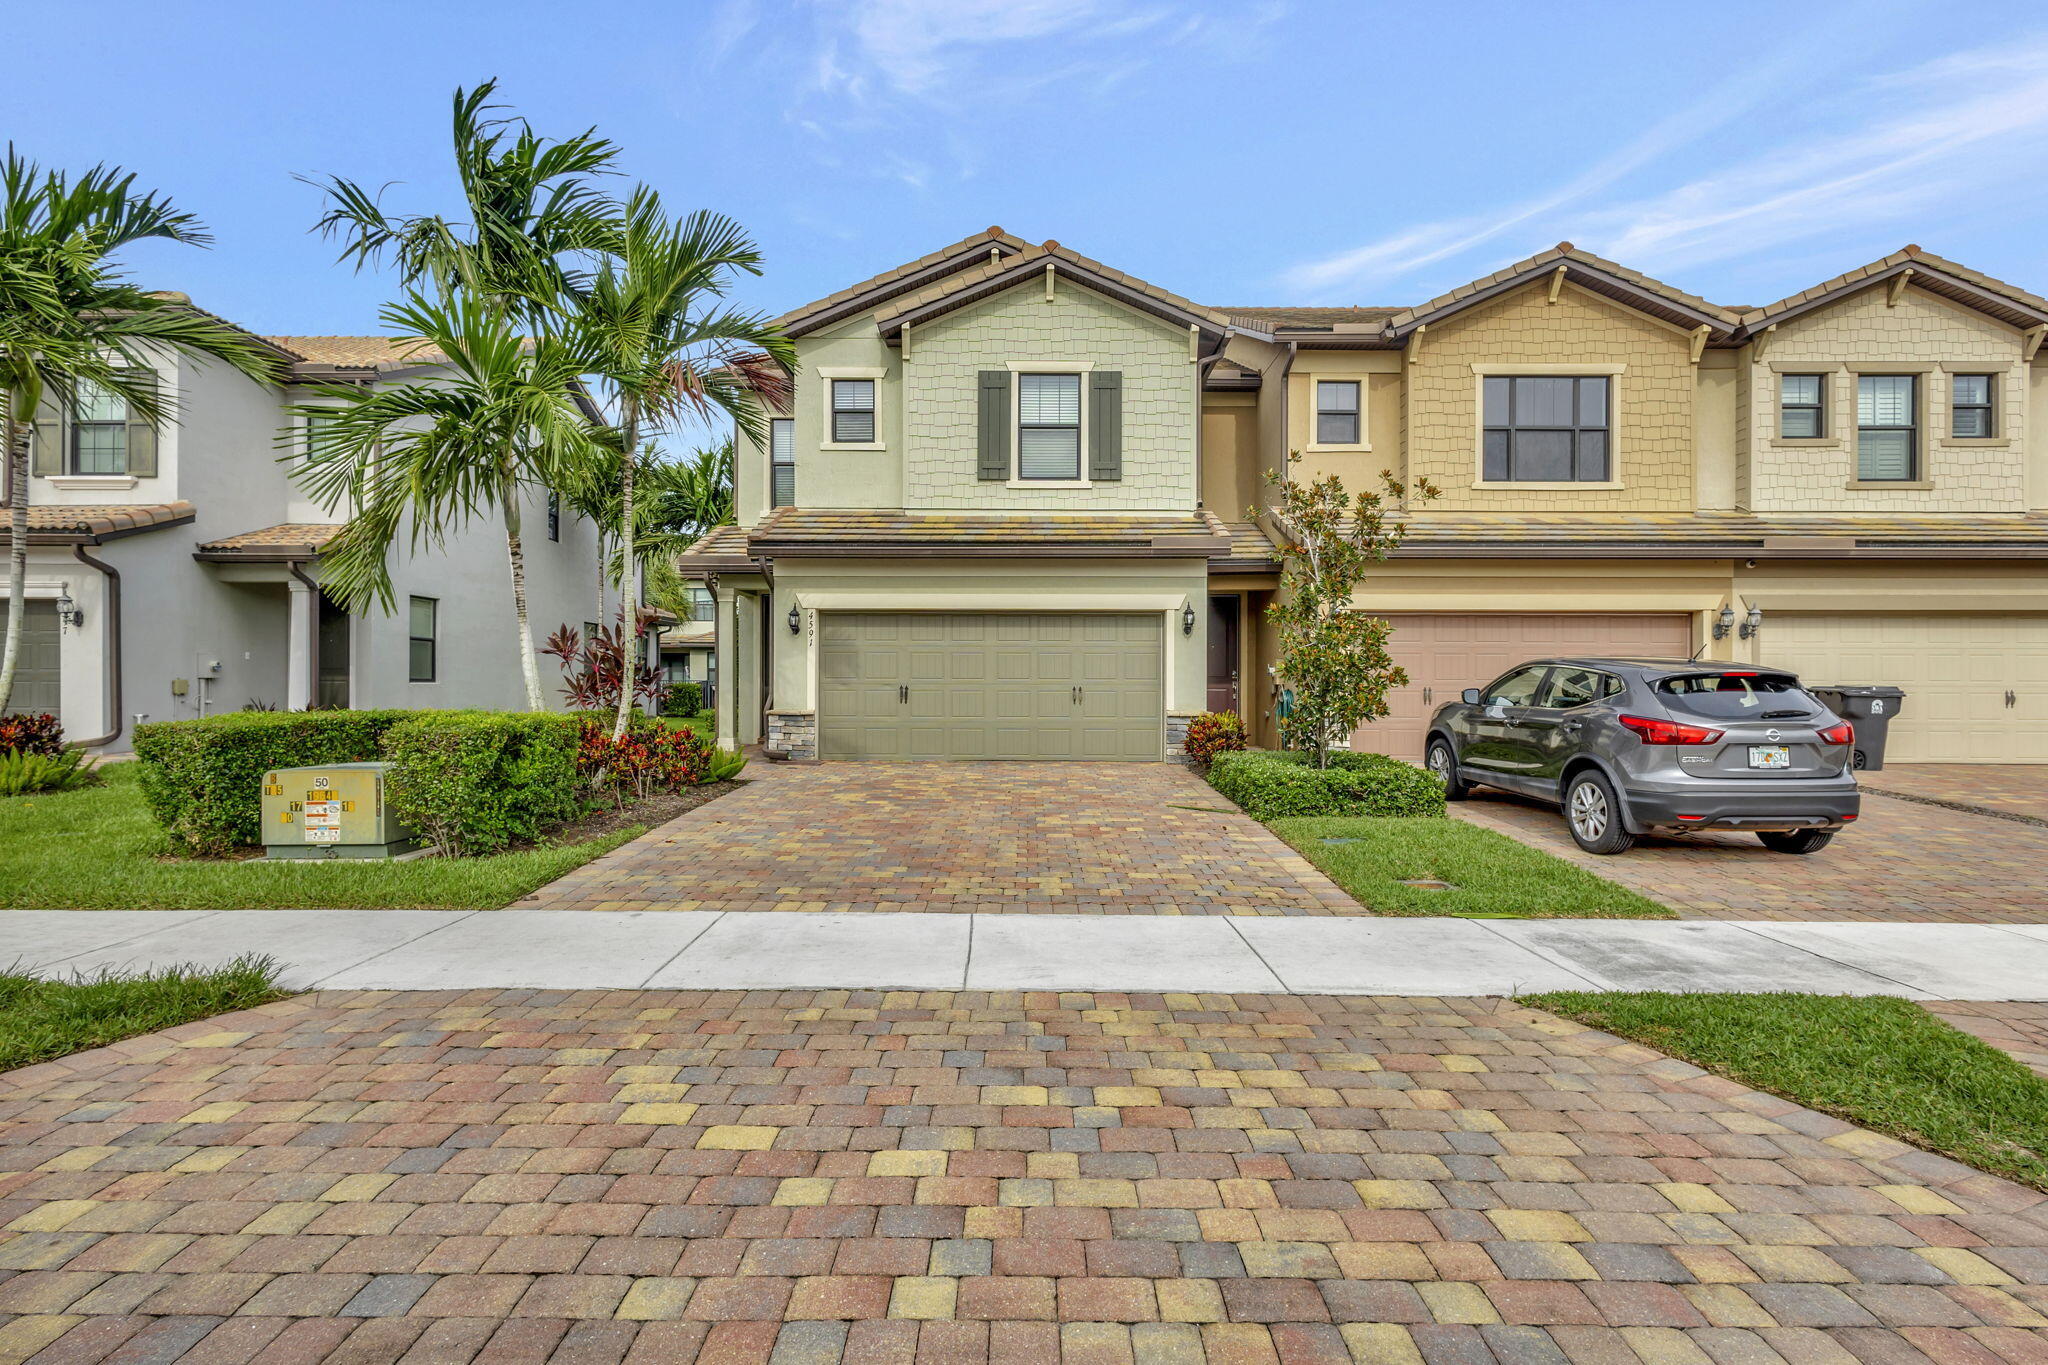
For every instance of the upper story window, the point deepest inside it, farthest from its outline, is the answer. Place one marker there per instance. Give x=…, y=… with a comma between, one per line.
x=698, y=605
x=782, y=462
x=1546, y=429
x=1802, y=406
x=423, y=641
x=1049, y=426
x=1337, y=412
x=1887, y=427
x=1969, y=406
x=99, y=432
x=853, y=411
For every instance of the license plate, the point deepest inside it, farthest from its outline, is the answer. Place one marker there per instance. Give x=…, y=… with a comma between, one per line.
x=1769, y=756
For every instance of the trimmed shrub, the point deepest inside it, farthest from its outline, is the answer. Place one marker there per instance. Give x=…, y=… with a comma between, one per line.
x=203, y=779
x=682, y=699
x=31, y=734
x=1276, y=785
x=477, y=781
x=1213, y=733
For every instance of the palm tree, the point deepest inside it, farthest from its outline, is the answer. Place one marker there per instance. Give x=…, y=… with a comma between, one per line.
x=501, y=419
x=70, y=322
x=698, y=495
x=655, y=331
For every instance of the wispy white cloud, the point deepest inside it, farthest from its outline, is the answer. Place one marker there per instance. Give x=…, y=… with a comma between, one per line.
x=1893, y=146
x=930, y=48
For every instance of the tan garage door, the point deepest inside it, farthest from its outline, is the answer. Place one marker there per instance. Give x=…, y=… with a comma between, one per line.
x=1446, y=652
x=917, y=685
x=1976, y=684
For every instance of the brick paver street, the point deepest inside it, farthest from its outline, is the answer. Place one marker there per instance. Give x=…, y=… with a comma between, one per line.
x=1074, y=838
x=817, y=1177
x=2019, y=1027
x=1903, y=861
x=2014, y=788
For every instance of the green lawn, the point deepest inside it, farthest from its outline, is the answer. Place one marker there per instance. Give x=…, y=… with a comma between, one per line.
x=1878, y=1062
x=98, y=849
x=1491, y=874
x=44, y=1019
x=704, y=723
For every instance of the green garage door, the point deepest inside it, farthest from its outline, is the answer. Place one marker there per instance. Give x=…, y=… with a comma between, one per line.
x=35, y=678
x=918, y=685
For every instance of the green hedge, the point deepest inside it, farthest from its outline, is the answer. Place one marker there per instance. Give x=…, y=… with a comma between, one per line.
x=1274, y=785
x=203, y=779
x=476, y=781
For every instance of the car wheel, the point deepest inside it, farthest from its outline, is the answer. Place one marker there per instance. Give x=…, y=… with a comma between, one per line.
x=1444, y=764
x=1796, y=840
x=1592, y=813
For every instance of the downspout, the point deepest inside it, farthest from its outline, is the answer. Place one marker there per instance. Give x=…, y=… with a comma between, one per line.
x=119, y=718
x=312, y=645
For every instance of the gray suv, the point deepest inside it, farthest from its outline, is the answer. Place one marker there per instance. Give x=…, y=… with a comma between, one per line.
x=1632, y=746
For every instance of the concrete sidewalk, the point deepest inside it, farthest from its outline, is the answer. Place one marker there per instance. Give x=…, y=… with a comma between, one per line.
x=736, y=950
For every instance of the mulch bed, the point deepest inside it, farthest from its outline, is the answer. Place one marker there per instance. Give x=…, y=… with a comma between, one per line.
x=654, y=811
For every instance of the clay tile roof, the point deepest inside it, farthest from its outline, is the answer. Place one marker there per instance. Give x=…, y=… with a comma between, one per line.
x=1564, y=253
x=1029, y=261
x=290, y=539
x=1263, y=319
x=365, y=352
x=100, y=521
x=1913, y=257
x=985, y=239
x=803, y=531
x=1250, y=546
x=1723, y=532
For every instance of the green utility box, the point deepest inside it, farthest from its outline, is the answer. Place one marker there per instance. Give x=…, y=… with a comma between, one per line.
x=335, y=811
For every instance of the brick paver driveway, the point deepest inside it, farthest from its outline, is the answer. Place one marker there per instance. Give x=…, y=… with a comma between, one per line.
x=1903, y=861
x=811, y=1177
x=2012, y=788
x=1050, y=838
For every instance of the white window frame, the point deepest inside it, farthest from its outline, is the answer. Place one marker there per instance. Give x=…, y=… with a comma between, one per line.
x=774, y=464
x=1076, y=367
x=1315, y=412
x=831, y=372
x=1613, y=374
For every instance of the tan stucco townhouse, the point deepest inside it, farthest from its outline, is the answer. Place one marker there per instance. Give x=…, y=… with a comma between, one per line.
x=1015, y=509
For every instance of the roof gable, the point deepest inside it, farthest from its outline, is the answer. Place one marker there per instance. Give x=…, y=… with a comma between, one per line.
x=1031, y=264
x=965, y=254
x=1923, y=270
x=1593, y=273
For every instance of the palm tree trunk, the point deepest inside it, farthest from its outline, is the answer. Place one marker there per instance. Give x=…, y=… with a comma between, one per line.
x=17, y=548
x=529, y=666
x=629, y=580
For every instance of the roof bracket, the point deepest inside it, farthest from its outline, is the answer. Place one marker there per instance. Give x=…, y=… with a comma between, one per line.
x=2030, y=342
x=1761, y=341
x=1556, y=283
x=1699, y=340
x=1899, y=282
x=1415, y=342
x=906, y=341
x=1194, y=342
x=1050, y=271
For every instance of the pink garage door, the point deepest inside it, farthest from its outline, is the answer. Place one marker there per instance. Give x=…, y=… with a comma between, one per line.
x=1446, y=652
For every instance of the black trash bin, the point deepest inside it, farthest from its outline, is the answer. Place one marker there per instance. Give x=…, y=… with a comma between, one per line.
x=1870, y=709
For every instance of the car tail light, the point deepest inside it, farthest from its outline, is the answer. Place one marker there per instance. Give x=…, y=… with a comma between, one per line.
x=1668, y=731
x=1838, y=734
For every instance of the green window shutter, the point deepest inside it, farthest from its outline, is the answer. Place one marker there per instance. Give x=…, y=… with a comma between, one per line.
x=141, y=433
x=1105, y=425
x=993, y=445
x=48, y=457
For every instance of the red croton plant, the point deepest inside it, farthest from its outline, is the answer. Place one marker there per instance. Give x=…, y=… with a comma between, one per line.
x=593, y=669
x=649, y=759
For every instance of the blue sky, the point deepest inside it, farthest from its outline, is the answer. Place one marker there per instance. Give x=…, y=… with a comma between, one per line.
x=1257, y=152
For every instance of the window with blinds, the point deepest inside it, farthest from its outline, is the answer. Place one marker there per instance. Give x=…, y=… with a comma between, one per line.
x=1887, y=427
x=1969, y=406
x=853, y=411
x=782, y=462
x=99, y=432
x=1337, y=412
x=1544, y=429
x=1049, y=426
x=1801, y=406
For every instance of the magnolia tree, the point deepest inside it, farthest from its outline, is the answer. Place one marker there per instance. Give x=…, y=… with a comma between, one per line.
x=1333, y=657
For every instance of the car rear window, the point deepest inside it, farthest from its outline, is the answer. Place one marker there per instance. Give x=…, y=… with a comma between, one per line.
x=1739, y=696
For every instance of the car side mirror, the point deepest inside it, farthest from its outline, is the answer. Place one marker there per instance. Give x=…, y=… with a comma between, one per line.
x=1471, y=696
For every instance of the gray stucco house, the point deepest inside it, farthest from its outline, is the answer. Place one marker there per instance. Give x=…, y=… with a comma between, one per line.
x=175, y=573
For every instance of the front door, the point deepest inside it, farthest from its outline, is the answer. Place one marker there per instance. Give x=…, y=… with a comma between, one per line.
x=331, y=689
x=1223, y=654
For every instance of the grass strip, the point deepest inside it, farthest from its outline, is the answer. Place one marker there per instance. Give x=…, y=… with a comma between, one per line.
x=1875, y=1061
x=42, y=1018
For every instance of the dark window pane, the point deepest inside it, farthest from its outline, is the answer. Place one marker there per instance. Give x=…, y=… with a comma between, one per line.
x=1799, y=423
x=1592, y=402
x=422, y=661
x=1883, y=455
x=1337, y=428
x=1543, y=456
x=1337, y=395
x=855, y=427
x=1543, y=402
x=1593, y=456
x=1049, y=453
x=1972, y=422
x=1799, y=388
x=782, y=492
x=1496, y=465
x=1497, y=400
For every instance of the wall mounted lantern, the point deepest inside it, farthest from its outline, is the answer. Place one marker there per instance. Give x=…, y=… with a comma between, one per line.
x=1187, y=618
x=68, y=611
x=796, y=621
x=1753, y=623
x=1725, y=624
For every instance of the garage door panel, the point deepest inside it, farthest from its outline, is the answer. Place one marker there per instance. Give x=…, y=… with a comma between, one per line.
x=1002, y=685
x=1446, y=652
x=1955, y=667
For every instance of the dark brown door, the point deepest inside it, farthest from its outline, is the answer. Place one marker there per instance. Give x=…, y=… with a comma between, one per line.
x=331, y=687
x=1223, y=653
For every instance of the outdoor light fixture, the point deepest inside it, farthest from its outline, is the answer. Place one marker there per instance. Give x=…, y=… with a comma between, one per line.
x=1187, y=618
x=796, y=621
x=68, y=611
x=1752, y=623
x=1725, y=624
